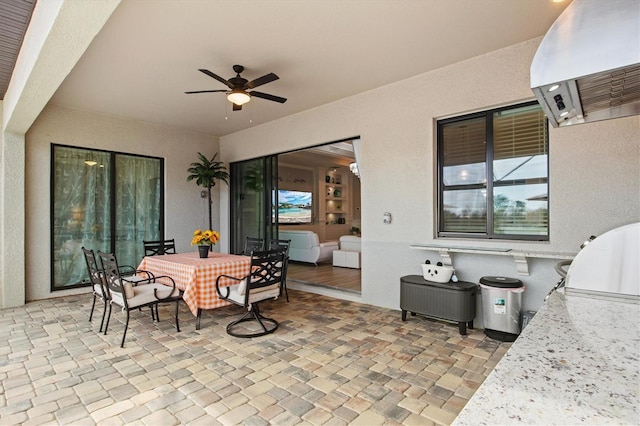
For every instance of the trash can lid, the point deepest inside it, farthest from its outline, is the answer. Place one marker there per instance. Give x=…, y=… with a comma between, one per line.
x=501, y=282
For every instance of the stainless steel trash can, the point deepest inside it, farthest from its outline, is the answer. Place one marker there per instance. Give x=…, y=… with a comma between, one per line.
x=501, y=304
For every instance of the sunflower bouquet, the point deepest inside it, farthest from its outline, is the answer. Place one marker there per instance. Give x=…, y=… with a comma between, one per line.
x=205, y=238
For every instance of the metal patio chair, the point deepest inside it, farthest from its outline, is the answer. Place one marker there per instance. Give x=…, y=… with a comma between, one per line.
x=282, y=245
x=262, y=282
x=130, y=293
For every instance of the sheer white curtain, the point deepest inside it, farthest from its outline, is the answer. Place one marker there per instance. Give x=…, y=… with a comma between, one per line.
x=137, y=206
x=81, y=199
x=84, y=199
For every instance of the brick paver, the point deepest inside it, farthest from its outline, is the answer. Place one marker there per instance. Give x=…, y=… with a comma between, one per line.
x=330, y=362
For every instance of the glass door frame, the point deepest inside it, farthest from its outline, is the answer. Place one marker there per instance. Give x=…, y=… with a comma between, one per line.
x=87, y=233
x=257, y=176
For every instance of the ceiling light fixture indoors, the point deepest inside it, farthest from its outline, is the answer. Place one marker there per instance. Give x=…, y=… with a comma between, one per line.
x=238, y=97
x=90, y=160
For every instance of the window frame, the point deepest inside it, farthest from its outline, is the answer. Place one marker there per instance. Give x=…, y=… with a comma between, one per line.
x=489, y=186
x=112, y=210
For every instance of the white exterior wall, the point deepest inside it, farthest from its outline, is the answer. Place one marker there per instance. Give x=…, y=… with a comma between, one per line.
x=595, y=177
x=58, y=34
x=594, y=170
x=185, y=210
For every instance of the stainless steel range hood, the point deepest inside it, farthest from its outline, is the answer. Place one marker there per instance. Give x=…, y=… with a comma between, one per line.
x=587, y=67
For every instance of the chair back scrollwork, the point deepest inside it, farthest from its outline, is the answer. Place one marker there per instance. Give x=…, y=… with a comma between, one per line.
x=159, y=247
x=113, y=279
x=252, y=244
x=267, y=269
x=282, y=245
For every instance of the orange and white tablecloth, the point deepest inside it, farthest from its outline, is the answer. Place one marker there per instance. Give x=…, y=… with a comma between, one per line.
x=197, y=277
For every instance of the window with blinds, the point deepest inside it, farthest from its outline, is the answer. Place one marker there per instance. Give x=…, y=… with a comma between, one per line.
x=493, y=174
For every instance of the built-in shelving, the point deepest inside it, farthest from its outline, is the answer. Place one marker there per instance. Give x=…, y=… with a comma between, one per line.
x=336, y=198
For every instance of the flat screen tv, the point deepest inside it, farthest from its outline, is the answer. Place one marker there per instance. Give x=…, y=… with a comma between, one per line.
x=294, y=207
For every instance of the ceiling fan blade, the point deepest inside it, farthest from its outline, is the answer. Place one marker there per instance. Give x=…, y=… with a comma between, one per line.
x=268, y=97
x=262, y=80
x=205, y=91
x=217, y=77
x=237, y=107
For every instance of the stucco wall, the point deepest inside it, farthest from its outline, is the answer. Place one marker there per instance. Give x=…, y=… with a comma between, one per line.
x=594, y=173
x=185, y=210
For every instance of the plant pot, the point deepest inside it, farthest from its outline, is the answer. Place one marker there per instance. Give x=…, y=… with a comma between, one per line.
x=204, y=251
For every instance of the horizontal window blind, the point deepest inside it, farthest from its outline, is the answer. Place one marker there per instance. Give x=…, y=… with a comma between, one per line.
x=519, y=133
x=464, y=142
x=493, y=174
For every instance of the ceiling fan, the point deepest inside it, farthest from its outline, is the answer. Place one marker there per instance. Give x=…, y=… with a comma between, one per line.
x=238, y=95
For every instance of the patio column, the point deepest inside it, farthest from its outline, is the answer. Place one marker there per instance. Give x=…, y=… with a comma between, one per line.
x=12, y=220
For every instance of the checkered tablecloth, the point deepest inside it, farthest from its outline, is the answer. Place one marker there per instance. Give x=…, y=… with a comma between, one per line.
x=196, y=276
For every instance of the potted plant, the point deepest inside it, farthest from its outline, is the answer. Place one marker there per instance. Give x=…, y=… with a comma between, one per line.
x=206, y=173
x=204, y=240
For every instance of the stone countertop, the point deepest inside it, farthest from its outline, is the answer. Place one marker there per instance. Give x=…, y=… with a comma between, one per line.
x=577, y=362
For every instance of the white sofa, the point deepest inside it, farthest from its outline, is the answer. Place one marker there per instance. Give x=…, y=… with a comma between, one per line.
x=349, y=254
x=350, y=243
x=306, y=247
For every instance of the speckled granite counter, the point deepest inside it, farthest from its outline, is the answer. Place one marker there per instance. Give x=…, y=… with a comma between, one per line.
x=577, y=362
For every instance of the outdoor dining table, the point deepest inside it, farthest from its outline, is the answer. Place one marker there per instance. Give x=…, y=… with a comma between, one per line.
x=197, y=276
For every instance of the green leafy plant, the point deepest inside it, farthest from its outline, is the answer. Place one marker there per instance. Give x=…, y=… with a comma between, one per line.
x=206, y=173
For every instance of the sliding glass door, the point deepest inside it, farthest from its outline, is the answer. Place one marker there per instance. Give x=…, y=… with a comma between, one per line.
x=138, y=205
x=102, y=201
x=253, y=188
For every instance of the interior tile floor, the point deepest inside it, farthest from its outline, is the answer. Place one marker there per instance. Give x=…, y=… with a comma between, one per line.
x=325, y=274
x=331, y=361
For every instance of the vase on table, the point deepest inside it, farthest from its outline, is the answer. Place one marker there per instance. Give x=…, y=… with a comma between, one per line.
x=204, y=251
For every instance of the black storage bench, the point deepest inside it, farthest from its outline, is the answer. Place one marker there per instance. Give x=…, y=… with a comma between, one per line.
x=448, y=301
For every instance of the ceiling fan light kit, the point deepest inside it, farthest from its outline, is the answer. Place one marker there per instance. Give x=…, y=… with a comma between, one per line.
x=239, y=95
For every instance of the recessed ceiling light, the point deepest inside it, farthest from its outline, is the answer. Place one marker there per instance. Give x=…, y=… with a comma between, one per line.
x=553, y=88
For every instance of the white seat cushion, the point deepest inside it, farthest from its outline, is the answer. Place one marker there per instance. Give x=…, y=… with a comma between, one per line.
x=97, y=289
x=256, y=295
x=143, y=294
x=242, y=287
x=128, y=290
